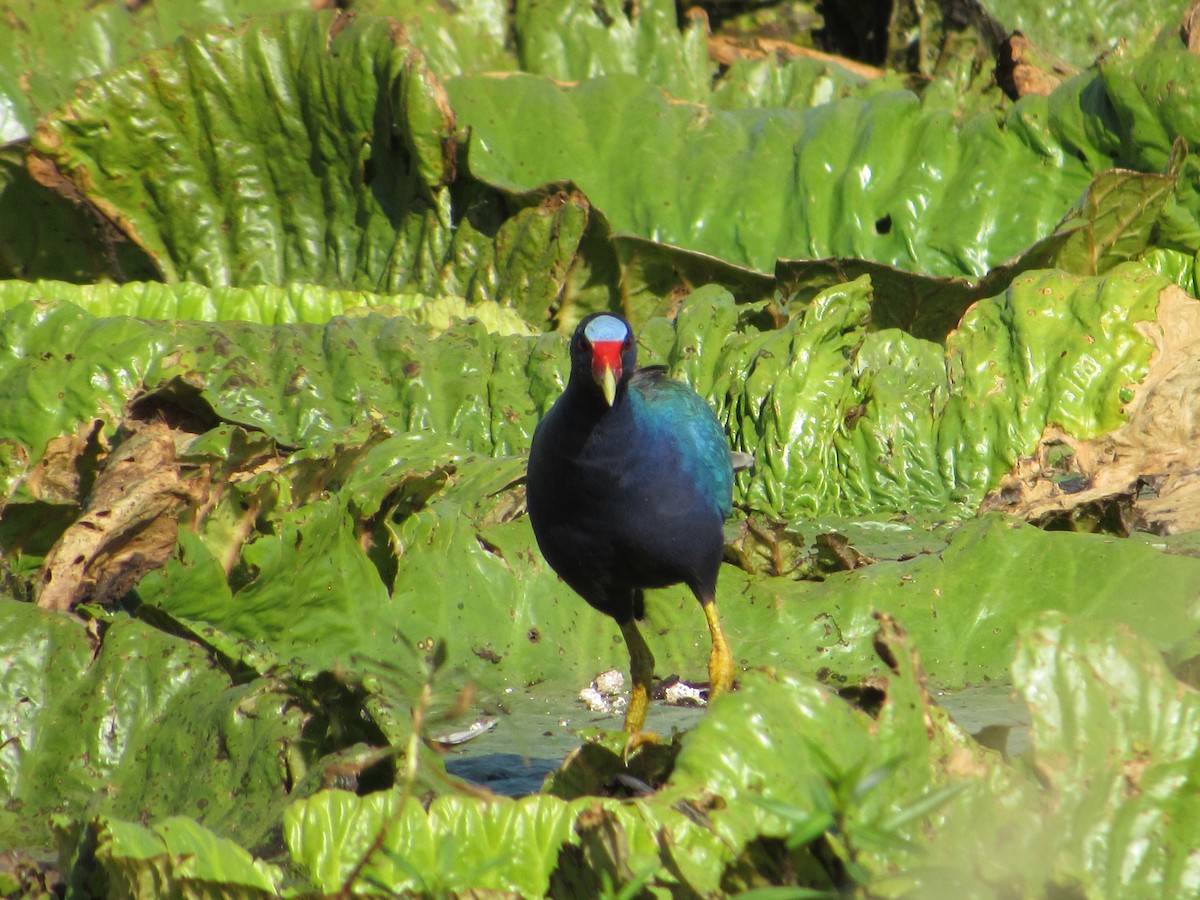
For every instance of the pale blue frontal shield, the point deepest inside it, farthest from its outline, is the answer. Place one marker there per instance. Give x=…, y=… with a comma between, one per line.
x=606, y=328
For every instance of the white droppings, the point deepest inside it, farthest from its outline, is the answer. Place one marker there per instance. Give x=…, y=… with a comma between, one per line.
x=683, y=694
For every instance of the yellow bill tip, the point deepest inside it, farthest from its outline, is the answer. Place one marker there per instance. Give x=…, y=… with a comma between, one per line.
x=608, y=384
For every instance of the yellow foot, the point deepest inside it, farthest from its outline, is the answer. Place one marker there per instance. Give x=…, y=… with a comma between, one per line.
x=641, y=672
x=720, y=658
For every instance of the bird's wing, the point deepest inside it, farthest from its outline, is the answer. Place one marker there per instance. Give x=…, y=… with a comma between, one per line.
x=650, y=373
x=685, y=418
x=654, y=378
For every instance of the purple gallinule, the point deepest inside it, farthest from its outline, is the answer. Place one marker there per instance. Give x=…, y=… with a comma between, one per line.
x=630, y=479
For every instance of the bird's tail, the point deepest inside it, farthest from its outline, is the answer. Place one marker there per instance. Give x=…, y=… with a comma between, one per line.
x=741, y=461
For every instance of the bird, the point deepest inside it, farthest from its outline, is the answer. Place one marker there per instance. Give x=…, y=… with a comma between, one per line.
x=629, y=481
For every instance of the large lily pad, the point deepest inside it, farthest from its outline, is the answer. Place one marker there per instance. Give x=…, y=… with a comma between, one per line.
x=63, y=42
x=1115, y=738
x=44, y=234
x=568, y=42
x=362, y=181
x=878, y=178
x=455, y=845
x=175, y=856
x=126, y=720
x=906, y=423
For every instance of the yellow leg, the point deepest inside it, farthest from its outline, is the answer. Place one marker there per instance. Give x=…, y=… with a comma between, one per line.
x=720, y=658
x=641, y=671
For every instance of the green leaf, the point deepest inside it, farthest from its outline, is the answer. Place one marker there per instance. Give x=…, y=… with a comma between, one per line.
x=264, y=304
x=913, y=426
x=343, y=186
x=1115, y=221
x=506, y=617
x=313, y=595
x=455, y=845
x=44, y=235
x=565, y=41
x=1085, y=29
x=793, y=84
x=125, y=720
x=879, y=179
x=175, y=855
x=63, y=42
x=302, y=385
x=1115, y=736
x=908, y=424
x=367, y=203
x=468, y=36
x=963, y=606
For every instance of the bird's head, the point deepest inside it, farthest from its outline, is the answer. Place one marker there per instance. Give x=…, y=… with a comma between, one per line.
x=604, y=353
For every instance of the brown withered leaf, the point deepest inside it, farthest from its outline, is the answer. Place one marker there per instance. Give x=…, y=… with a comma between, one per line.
x=726, y=50
x=64, y=472
x=129, y=525
x=1189, y=30
x=763, y=544
x=1022, y=68
x=1152, y=462
x=835, y=553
